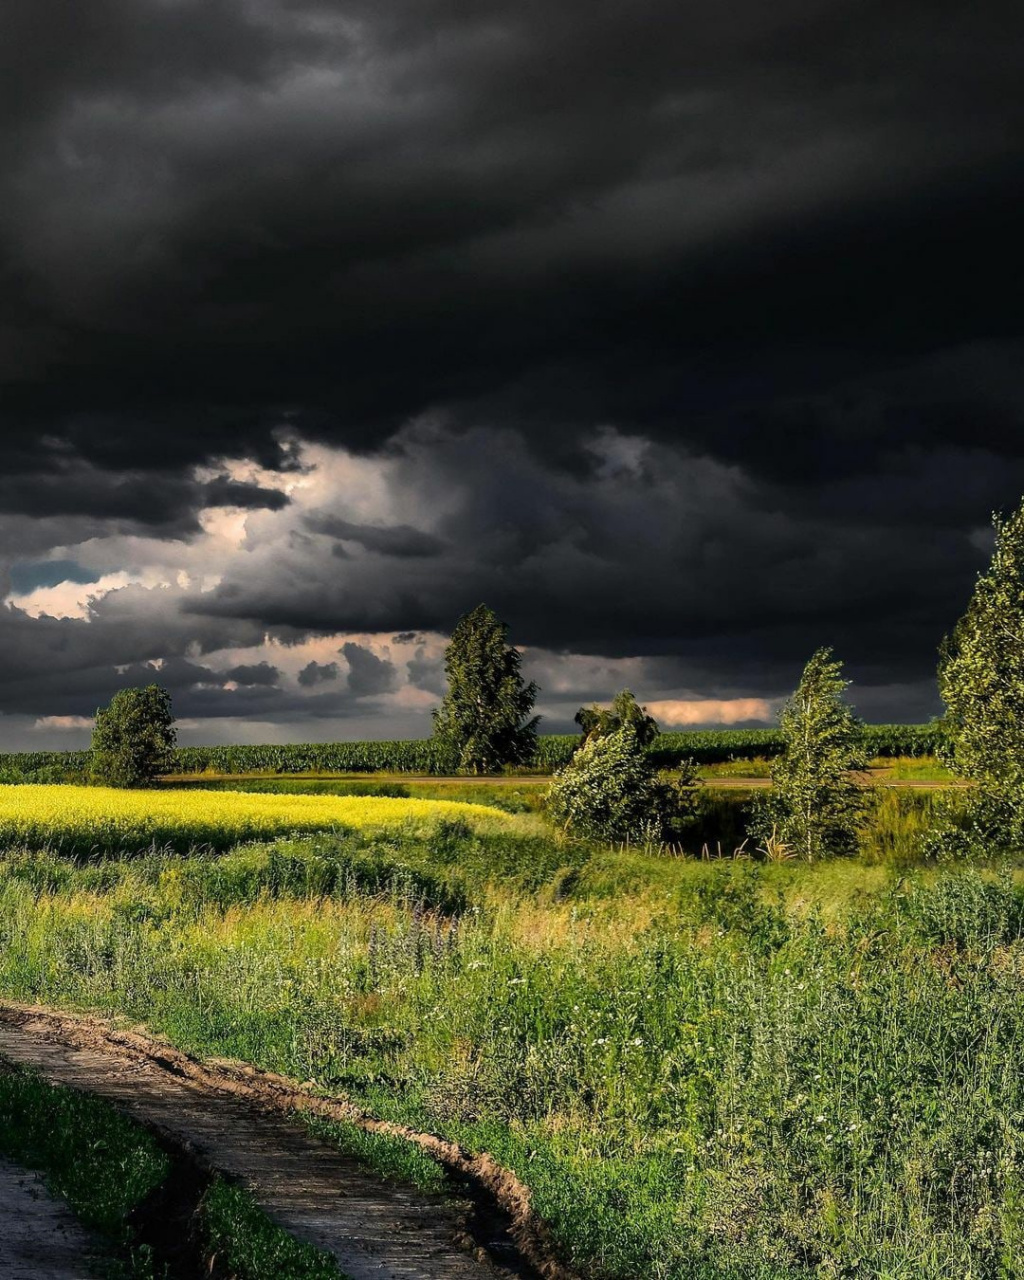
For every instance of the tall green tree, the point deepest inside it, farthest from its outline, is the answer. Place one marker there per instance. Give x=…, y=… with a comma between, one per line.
x=134, y=738
x=484, y=721
x=814, y=809
x=981, y=680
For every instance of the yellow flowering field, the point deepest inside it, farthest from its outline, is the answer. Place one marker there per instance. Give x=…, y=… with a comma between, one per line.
x=104, y=819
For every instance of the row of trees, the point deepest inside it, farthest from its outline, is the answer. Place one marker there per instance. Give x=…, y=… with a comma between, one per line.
x=611, y=789
x=814, y=808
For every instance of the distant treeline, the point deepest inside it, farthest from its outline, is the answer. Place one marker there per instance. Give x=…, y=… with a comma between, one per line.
x=706, y=746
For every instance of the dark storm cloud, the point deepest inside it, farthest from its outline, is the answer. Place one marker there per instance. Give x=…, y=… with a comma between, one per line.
x=253, y=673
x=224, y=492
x=426, y=672
x=725, y=584
x=368, y=675
x=64, y=668
x=314, y=673
x=224, y=217
x=61, y=482
x=780, y=242
x=401, y=541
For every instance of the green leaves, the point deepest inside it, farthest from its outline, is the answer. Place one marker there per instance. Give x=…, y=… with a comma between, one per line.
x=483, y=724
x=609, y=790
x=598, y=722
x=134, y=737
x=981, y=680
x=814, y=809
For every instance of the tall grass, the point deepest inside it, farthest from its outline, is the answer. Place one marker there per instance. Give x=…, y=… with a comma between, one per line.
x=702, y=1070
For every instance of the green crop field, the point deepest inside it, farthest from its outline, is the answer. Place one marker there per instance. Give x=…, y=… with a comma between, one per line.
x=420, y=756
x=703, y=1069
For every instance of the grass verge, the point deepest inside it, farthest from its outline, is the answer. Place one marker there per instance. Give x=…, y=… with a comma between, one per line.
x=703, y=1070
x=243, y=1243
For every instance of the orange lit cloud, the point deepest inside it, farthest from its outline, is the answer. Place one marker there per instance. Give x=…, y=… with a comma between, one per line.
x=64, y=722
x=676, y=714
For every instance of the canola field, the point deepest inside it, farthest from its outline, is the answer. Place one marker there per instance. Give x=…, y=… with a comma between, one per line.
x=102, y=820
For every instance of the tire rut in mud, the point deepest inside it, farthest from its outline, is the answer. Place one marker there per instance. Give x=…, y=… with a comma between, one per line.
x=241, y=1121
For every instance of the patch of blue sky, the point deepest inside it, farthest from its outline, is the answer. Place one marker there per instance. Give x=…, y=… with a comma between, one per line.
x=30, y=575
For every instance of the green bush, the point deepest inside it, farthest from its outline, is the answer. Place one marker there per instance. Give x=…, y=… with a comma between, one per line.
x=610, y=791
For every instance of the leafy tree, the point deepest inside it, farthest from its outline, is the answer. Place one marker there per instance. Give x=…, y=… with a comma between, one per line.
x=611, y=790
x=484, y=721
x=134, y=737
x=814, y=808
x=981, y=680
x=598, y=722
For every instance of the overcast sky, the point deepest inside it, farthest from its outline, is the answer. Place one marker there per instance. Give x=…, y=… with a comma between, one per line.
x=688, y=336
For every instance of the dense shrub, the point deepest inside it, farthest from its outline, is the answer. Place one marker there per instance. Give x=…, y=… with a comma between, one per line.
x=609, y=790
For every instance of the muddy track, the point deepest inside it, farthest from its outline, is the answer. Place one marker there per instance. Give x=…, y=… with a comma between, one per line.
x=39, y=1238
x=242, y=1122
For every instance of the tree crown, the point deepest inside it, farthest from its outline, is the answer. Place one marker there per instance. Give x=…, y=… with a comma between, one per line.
x=981, y=671
x=598, y=722
x=134, y=737
x=814, y=807
x=484, y=722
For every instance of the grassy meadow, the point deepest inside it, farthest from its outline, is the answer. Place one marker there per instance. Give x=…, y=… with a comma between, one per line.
x=705, y=1068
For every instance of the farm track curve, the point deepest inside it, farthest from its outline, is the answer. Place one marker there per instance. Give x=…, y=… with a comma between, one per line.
x=241, y=1122
x=724, y=782
x=39, y=1238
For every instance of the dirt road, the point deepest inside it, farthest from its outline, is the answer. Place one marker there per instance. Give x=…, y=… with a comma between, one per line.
x=243, y=1123
x=39, y=1238
x=724, y=782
